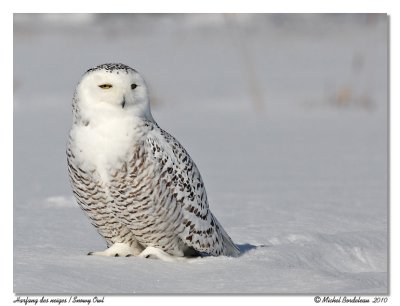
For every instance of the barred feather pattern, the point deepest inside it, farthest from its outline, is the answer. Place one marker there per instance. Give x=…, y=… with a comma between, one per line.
x=93, y=199
x=154, y=196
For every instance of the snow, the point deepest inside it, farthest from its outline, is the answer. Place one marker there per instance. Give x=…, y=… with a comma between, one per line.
x=285, y=116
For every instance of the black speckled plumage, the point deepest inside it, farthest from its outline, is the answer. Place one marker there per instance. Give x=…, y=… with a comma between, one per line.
x=112, y=67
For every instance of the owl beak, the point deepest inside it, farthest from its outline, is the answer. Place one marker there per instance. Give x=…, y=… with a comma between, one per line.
x=123, y=103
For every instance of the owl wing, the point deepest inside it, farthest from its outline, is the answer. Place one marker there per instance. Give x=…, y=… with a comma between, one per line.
x=180, y=177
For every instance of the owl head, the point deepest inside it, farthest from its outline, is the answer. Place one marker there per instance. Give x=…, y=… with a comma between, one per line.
x=112, y=90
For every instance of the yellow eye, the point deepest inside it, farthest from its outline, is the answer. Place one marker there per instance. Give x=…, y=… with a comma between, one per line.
x=105, y=86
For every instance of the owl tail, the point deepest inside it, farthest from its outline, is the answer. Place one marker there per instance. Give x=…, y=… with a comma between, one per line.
x=230, y=248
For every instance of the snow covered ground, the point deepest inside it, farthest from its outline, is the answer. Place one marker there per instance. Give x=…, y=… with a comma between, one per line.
x=285, y=116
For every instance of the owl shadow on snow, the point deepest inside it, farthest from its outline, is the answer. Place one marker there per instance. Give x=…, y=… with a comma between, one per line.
x=247, y=247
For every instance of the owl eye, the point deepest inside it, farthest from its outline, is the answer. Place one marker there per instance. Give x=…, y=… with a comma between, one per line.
x=105, y=86
x=133, y=86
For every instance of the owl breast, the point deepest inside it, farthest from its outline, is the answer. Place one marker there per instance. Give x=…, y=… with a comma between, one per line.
x=99, y=146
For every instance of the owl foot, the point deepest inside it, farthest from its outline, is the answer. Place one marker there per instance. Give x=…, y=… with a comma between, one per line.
x=155, y=253
x=117, y=250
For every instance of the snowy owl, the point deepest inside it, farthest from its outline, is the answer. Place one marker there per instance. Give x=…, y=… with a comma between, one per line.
x=136, y=183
